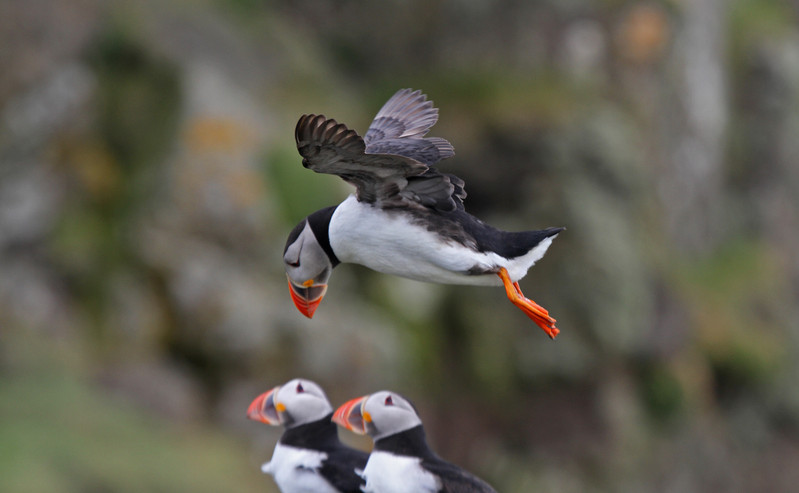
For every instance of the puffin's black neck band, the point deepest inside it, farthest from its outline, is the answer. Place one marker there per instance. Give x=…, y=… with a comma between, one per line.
x=320, y=225
x=410, y=442
x=316, y=435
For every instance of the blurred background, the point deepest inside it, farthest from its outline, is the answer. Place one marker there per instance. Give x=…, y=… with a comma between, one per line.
x=149, y=177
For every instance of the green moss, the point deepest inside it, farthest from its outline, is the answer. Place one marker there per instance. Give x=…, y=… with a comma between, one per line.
x=299, y=191
x=59, y=433
x=662, y=394
x=734, y=297
x=759, y=18
x=740, y=366
x=139, y=99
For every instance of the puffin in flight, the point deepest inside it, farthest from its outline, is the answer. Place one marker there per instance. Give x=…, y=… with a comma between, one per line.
x=308, y=458
x=405, y=218
x=401, y=461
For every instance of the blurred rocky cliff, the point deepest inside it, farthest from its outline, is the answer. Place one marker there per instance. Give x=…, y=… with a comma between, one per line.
x=148, y=178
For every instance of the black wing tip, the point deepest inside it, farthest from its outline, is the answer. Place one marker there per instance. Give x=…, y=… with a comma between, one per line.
x=320, y=128
x=307, y=117
x=306, y=125
x=554, y=231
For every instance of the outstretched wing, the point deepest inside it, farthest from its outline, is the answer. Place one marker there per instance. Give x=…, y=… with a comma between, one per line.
x=330, y=147
x=400, y=126
x=390, y=166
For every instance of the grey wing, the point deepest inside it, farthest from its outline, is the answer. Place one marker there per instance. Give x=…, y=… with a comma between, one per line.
x=429, y=150
x=434, y=190
x=390, y=166
x=330, y=147
x=406, y=114
x=400, y=126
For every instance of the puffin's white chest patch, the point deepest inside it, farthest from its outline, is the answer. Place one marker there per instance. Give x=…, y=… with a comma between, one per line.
x=389, y=473
x=391, y=243
x=296, y=470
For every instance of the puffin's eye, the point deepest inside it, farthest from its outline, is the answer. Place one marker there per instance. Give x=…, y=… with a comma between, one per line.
x=389, y=401
x=299, y=388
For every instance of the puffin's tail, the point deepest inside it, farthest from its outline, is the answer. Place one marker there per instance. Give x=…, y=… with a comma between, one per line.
x=548, y=232
x=523, y=242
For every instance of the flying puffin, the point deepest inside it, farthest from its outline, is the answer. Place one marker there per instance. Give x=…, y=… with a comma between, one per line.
x=405, y=218
x=401, y=461
x=308, y=458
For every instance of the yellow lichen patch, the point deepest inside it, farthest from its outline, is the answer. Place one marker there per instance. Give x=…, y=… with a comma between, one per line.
x=214, y=134
x=96, y=169
x=245, y=186
x=643, y=33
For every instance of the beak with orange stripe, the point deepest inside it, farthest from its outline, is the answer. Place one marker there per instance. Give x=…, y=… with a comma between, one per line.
x=307, y=296
x=352, y=416
x=265, y=410
x=296, y=402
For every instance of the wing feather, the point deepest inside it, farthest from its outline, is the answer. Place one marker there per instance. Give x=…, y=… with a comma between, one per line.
x=439, y=191
x=406, y=114
x=428, y=151
x=330, y=147
x=390, y=165
x=400, y=126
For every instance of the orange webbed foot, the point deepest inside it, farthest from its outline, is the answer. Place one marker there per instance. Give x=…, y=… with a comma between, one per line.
x=536, y=312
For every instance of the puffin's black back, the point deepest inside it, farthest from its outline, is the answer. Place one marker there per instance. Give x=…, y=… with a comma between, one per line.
x=339, y=467
x=466, y=229
x=455, y=479
x=413, y=443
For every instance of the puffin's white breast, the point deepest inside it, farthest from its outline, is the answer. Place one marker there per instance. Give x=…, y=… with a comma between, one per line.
x=389, y=242
x=296, y=470
x=389, y=473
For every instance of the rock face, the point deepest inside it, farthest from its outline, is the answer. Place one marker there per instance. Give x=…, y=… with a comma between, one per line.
x=148, y=178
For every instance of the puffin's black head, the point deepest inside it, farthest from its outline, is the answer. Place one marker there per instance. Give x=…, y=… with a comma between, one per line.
x=309, y=261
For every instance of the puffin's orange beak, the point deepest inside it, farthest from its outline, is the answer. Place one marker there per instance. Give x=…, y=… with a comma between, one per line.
x=307, y=296
x=263, y=408
x=351, y=416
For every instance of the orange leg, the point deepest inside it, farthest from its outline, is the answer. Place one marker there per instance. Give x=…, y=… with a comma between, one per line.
x=536, y=312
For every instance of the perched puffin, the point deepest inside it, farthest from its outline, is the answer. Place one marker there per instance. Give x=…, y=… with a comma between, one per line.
x=405, y=218
x=401, y=461
x=308, y=458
